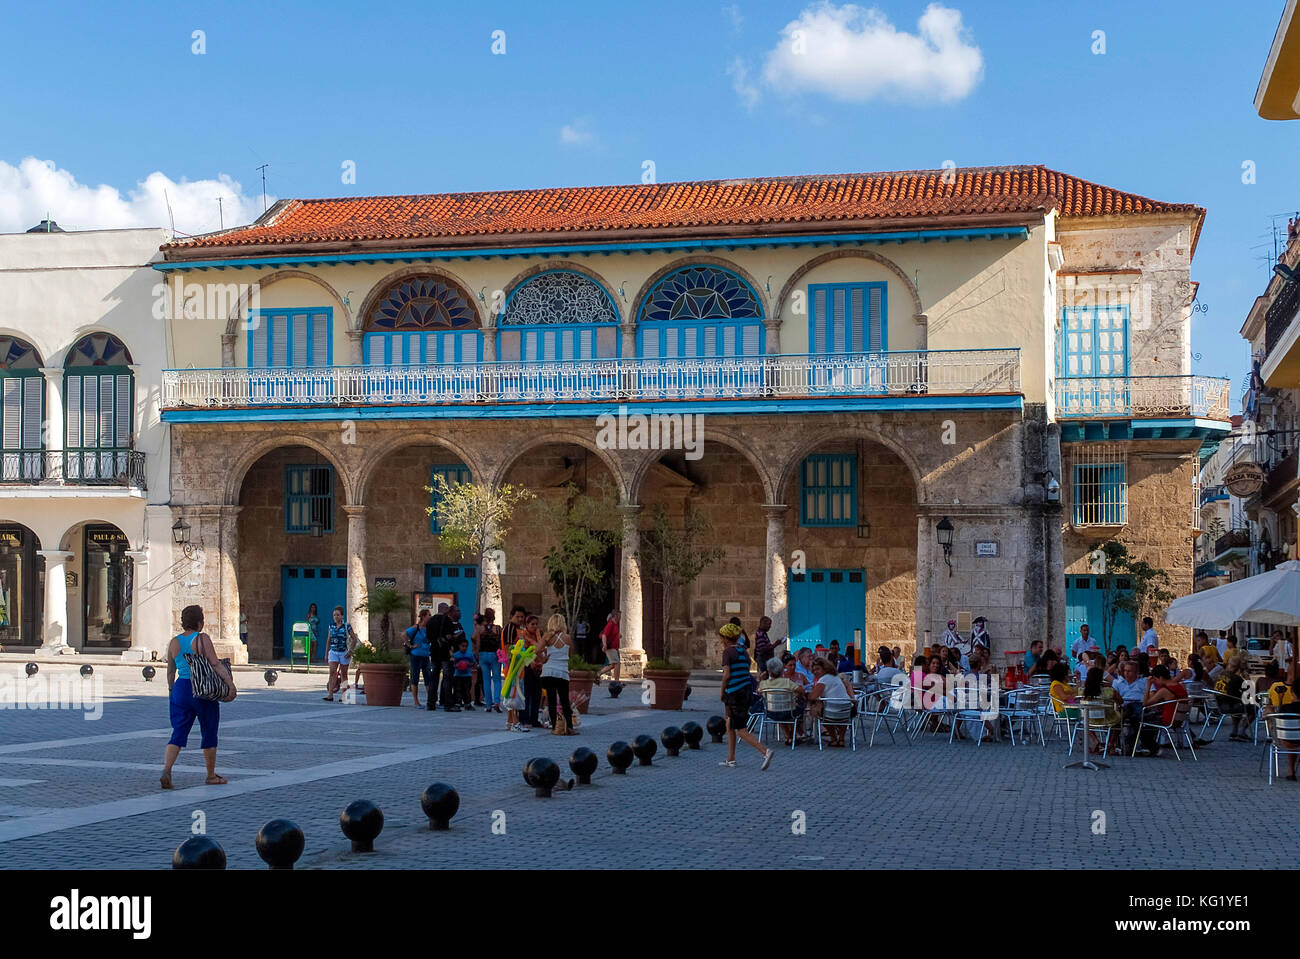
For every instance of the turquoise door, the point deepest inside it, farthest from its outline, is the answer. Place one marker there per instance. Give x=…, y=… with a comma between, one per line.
x=300, y=586
x=826, y=604
x=1085, y=600
x=460, y=581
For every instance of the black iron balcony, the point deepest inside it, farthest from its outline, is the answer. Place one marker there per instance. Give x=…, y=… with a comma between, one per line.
x=1281, y=313
x=1280, y=475
x=83, y=467
x=1235, y=543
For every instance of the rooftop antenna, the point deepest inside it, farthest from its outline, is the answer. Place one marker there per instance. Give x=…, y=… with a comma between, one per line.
x=221, y=213
x=263, y=169
x=170, y=216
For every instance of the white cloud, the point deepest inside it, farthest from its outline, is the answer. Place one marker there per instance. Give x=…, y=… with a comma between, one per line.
x=740, y=82
x=732, y=12
x=855, y=54
x=576, y=134
x=35, y=187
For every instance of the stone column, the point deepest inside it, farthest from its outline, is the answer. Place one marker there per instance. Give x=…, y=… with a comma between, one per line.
x=360, y=619
x=489, y=582
x=775, y=604
x=628, y=333
x=631, y=648
x=773, y=327
x=140, y=649
x=53, y=438
x=354, y=352
x=55, y=637
x=228, y=350
x=924, y=577
x=490, y=352
x=228, y=644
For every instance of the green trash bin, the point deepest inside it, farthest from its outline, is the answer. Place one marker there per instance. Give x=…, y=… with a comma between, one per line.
x=300, y=645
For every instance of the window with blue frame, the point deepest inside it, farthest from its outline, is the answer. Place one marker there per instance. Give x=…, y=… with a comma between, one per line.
x=451, y=472
x=291, y=338
x=1094, y=341
x=828, y=490
x=847, y=318
x=1100, y=494
x=558, y=315
x=308, y=498
x=700, y=312
x=422, y=321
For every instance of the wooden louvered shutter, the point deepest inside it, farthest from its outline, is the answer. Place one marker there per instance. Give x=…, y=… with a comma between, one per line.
x=106, y=410
x=877, y=319
x=72, y=410
x=123, y=408
x=257, y=344
x=13, y=402
x=818, y=344
x=279, y=334
x=751, y=345
x=89, y=412
x=320, y=339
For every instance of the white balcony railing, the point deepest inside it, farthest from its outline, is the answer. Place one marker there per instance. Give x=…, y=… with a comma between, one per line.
x=1143, y=397
x=944, y=373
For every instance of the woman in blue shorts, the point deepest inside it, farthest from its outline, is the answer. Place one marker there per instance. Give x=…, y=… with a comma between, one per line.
x=341, y=640
x=183, y=706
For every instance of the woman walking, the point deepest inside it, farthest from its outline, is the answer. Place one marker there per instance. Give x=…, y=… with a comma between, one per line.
x=417, y=643
x=487, y=643
x=342, y=640
x=556, y=645
x=182, y=704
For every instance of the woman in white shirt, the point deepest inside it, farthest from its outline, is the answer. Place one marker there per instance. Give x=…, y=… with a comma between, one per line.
x=556, y=645
x=828, y=687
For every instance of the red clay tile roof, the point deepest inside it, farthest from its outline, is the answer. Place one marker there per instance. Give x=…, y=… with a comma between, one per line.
x=711, y=205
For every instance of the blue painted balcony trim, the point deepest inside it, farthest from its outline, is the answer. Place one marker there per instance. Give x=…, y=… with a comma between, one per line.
x=984, y=401
x=578, y=249
x=1210, y=432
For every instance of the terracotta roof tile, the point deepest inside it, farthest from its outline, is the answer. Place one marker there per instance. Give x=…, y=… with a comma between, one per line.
x=667, y=207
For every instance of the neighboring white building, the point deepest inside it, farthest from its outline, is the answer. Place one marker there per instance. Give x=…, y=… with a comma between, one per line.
x=85, y=532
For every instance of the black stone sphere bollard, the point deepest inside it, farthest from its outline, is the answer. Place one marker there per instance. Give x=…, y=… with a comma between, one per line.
x=619, y=755
x=693, y=732
x=645, y=748
x=583, y=762
x=87, y=669
x=32, y=669
x=280, y=842
x=148, y=673
x=542, y=774
x=686, y=694
x=361, y=822
x=199, y=852
x=440, y=803
x=615, y=687
x=672, y=738
x=717, y=727
x=270, y=676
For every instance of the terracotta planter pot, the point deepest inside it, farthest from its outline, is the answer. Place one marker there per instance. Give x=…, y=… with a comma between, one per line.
x=384, y=683
x=581, y=683
x=669, y=688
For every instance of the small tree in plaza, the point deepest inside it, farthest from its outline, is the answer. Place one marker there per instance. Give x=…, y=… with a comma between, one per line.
x=583, y=529
x=381, y=602
x=472, y=517
x=1148, y=592
x=674, y=557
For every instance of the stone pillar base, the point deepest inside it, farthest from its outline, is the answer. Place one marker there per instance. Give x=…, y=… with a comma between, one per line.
x=632, y=663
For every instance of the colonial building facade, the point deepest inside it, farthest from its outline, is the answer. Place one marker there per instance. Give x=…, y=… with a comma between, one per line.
x=85, y=521
x=880, y=363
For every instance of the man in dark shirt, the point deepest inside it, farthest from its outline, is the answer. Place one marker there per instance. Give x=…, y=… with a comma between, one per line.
x=438, y=630
x=455, y=633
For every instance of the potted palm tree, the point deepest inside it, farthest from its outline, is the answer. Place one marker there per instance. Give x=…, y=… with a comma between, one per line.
x=382, y=666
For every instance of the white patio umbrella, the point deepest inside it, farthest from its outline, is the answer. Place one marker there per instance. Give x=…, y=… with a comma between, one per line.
x=1272, y=597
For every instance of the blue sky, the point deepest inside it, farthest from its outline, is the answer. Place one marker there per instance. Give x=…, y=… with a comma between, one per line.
x=586, y=92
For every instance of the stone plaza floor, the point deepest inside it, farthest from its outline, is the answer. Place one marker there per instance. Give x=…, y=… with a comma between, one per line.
x=84, y=794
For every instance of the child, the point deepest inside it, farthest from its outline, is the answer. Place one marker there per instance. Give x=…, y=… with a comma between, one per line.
x=463, y=664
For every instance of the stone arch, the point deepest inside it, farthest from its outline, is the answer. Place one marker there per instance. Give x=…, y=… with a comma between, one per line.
x=759, y=290
x=42, y=351
x=871, y=255
x=366, y=474
x=358, y=323
x=246, y=460
x=724, y=437
x=552, y=437
x=42, y=527
x=241, y=307
x=568, y=265
x=809, y=445
x=135, y=543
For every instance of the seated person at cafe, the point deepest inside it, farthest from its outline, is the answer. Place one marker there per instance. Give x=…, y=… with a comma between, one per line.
x=1165, y=693
x=1062, y=692
x=1045, y=663
x=803, y=667
x=1132, y=689
x=1227, y=689
x=1032, y=657
x=1291, y=706
x=1207, y=650
x=829, y=686
x=886, y=671
x=1094, y=689
x=848, y=662
x=775, y=680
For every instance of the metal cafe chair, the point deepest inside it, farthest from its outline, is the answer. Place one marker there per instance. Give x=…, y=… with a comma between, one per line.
x=888, y=707
x=1094, y=721
x=1284, y=740
x=967, y=710
x=778, y=703
x=1064, y=715
x=837, y=712
x=1178, y=726
x=1024, y=708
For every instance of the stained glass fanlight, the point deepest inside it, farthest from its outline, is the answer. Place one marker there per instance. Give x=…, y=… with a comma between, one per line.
x=702, y=293
x=423, y=303
x=98, y=349
x=559, y=296
x=16, y=354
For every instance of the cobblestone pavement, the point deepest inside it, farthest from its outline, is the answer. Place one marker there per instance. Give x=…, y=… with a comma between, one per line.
x=76, y=793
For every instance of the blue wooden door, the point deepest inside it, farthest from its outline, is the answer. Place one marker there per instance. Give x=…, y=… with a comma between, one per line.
x=1085, y=600
x=826, y=604
x=300, y=586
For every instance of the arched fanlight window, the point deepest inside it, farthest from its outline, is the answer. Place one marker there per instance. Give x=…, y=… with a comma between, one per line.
x=98, y=408
x=558, y=315
x=701, y=311
x=422, y=320
x=22, y=389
